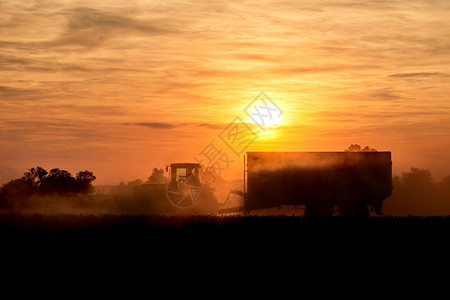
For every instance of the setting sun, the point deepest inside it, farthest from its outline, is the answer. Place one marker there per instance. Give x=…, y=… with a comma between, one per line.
x=133, y=83
x=271, y=112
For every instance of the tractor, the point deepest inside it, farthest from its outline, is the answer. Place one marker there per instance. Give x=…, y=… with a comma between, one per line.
x=184, y=193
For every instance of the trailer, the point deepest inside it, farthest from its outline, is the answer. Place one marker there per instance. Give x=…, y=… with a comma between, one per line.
x=326, y=183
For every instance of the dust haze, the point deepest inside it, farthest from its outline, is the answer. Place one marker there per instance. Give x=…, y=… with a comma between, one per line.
x=415, y=192
x=34, y=193
x=272, y=161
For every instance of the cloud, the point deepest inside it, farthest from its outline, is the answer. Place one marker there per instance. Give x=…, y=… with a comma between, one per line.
x=211, y=126
x=159, y=125
x=6, y=60
x=8, y=90
x=90, y=27
x=94, y=110
x=318, y=68
x=388, y=93
x=8, y=93
x=419, y=74
x=155, y=125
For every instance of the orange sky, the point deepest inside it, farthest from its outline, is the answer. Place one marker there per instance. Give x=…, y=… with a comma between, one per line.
x=120, y=87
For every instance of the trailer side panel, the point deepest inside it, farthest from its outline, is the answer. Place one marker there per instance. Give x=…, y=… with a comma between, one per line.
x=304, y=178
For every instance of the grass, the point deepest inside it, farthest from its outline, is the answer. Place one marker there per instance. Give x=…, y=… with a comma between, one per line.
x=115, y=222
x=144, y=241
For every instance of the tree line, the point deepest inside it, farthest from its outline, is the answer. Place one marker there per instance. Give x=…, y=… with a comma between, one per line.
x=415, y=192
x=37, y=181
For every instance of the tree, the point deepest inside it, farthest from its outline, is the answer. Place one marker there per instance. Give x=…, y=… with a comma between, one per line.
x=444, y=192
x=414, y=193
x=357, y=148
x=157, y=176
x=135, y=182
x=84, y=181
x=15, y=192
x=35, y=175
x=417, y=177
x=58, y=182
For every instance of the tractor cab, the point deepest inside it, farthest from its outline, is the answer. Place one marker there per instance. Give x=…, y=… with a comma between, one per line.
x=184, y=188
x=183, y=172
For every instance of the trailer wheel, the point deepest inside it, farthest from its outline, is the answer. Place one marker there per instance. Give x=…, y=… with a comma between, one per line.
x=353, y=208
x=319, y=207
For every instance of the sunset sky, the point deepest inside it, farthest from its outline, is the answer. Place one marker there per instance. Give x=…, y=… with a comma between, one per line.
x=120, y=87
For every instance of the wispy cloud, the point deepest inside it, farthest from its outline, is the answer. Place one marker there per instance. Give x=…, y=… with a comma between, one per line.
x=418, y=74
x=155, y=125
x=90, y=27
x=211, y=126
x=9, y=93
x=178, y=125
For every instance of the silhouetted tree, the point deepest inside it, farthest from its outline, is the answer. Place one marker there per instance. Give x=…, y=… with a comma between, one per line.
x=444, y=192
x=84, y=181
x=157, y=176
x=135, y=182
x=58, y=182
x=414, y=193
x=357, y=148
x=35, y=175
x=417, y=177
x=15, y=192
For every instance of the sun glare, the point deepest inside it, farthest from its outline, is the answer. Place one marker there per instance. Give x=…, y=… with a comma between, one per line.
x=270, y=118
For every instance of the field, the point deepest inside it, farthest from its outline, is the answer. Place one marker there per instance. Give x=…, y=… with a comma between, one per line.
x=219, y=238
